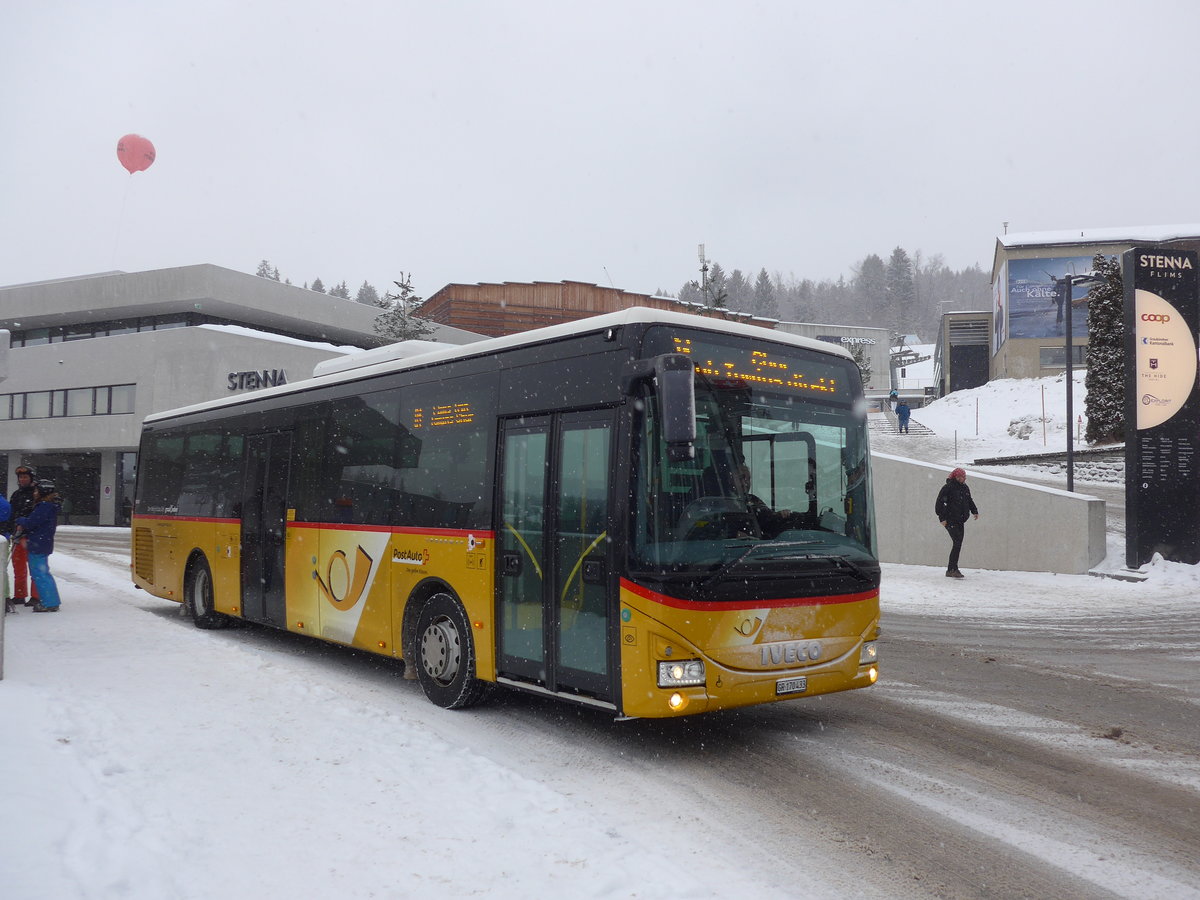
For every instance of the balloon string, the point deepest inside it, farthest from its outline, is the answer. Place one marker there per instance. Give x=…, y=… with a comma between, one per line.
x=120, y=222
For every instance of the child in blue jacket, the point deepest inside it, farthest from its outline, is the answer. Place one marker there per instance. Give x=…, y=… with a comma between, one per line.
x=38, y=529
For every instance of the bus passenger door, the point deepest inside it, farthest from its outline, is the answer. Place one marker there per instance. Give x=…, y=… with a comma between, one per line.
x=264, y=526
x=554, y=560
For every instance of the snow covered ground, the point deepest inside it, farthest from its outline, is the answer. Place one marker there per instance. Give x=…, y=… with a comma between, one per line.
x=147, y=759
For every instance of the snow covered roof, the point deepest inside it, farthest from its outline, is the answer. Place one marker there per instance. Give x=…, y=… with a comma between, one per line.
x=1077, y=237
x=1124, y=234
x=282, y=339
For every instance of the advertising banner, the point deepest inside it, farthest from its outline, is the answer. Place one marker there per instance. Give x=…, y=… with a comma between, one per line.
x=1162, y=471
x=1036, y=304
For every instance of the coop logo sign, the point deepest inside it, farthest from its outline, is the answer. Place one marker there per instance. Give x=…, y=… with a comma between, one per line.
x=1153, y=317
x=258, y=378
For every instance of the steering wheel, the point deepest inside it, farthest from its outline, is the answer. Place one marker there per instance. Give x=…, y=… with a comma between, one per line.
x=716, y=518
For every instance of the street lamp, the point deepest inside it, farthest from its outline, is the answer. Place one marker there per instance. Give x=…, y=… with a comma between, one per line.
x=1065, y=284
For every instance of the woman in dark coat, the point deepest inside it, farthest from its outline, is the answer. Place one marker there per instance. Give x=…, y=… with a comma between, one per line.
x=953, y=507
x=38, y=529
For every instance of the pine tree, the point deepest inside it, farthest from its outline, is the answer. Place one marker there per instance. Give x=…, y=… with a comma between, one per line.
x=870, y=283
x=901, y=291
x=690, y=293
x=741, y=292
x=716, y=293
x=1105, y=379
x=399, y=323
x=318, y=286
x=863, y=361
x=264, y=269
x=367, y=295
x=340, y=290
x=765, y=303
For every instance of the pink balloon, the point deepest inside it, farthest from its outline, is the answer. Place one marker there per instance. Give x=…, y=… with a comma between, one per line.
x=135, y=152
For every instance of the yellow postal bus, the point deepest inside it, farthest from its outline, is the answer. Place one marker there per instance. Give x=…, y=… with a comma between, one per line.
x=652, y=513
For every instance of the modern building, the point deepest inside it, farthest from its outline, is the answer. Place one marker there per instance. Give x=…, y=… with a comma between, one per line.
x=91, y=356
x=511, y=307
x=961, y=355
x=1029, y=314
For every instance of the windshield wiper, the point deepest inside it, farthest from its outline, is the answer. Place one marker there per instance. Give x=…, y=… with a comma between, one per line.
x=725, y=568
x=845, y=561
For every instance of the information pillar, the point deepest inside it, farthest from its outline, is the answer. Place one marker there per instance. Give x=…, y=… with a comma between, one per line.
x=1162, y=410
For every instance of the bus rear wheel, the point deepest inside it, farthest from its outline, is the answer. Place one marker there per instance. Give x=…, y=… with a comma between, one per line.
x=444, y=654
x=199, y=597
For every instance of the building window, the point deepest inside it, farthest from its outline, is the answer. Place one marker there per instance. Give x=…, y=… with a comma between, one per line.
x=122, y=399
x=79, y=402
x=32, y=338
x=1055, y=357
x=37, y=405
x=107, y=400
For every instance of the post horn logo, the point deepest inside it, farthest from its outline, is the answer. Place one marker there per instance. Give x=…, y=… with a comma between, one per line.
x=748, y=628
x=338, y=573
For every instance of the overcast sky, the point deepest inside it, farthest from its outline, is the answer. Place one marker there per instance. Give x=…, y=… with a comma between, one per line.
x=598, y=142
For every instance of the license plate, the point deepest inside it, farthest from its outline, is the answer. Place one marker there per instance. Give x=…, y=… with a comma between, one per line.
x=791, y=686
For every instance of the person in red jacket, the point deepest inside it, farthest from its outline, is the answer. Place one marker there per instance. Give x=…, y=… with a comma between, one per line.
x=953, y=507
x=5, y=515
x=22, y=502
x=38, y=530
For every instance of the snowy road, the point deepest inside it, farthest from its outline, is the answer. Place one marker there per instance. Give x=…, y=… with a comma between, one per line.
x=1050, y=750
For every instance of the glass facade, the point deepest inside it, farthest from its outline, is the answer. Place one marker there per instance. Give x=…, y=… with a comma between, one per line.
x=106, y=400
x=34, y=337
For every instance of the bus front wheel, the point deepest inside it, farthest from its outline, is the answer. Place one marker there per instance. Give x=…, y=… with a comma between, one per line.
x=445, y=654
x=199, y=597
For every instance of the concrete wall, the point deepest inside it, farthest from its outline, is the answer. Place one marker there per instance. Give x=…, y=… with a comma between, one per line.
x=1021, y=527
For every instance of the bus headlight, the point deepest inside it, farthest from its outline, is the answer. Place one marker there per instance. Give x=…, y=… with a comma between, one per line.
x=869, y=654
x=681, y=673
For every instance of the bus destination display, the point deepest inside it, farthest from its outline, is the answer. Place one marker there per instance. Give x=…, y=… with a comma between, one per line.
x=441, y=415
x=752, y=366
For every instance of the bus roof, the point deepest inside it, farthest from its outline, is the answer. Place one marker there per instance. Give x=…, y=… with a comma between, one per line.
x=417, y=354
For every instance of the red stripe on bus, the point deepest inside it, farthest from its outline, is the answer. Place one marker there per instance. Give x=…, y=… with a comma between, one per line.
x=783, y=603
x=451, y=532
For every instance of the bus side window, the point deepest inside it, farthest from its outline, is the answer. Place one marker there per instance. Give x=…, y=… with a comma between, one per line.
x=364, y=439
x=162, y=473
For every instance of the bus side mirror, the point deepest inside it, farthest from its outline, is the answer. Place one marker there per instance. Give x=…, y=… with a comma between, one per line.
x=677, y=400
x=674, y=378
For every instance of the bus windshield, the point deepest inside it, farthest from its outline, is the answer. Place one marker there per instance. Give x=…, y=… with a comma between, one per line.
x=779, y=478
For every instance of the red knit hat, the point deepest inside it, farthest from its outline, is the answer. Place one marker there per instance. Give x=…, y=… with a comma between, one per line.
x=957, y=472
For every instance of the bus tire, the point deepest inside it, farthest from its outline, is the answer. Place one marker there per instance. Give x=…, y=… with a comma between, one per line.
x=444, y=654
x=198, y=594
